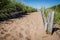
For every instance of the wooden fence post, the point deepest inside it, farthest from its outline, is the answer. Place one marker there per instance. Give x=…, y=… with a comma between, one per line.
x=50, y=22
x=44, y=19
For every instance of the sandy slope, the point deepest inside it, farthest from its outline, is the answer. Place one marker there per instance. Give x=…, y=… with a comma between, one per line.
x=26, y=28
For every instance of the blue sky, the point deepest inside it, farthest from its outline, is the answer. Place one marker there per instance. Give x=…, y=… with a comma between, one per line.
x=40, y=3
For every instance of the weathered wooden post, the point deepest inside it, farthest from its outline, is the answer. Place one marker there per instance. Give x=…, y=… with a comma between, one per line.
x=44, y=19
x=50, y=22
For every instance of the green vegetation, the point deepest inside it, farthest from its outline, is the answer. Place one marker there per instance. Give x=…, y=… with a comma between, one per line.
x=8, y=6
x=57, y=13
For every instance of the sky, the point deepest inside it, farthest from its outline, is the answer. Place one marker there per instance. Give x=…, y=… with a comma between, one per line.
x=40, y=3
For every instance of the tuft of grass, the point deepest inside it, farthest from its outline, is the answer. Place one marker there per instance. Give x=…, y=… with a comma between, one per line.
x=57, y=17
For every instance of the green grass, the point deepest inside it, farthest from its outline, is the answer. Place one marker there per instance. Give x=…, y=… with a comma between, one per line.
x=57, y=17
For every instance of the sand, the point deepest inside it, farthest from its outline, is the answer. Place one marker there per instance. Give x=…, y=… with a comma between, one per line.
x=29, y=27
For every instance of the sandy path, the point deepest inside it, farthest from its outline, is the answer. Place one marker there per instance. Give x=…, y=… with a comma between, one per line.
x=26, y=28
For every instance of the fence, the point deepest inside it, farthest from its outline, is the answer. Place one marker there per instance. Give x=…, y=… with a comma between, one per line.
x=48, y=24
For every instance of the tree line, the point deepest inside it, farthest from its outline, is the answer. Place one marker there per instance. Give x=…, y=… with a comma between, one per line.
x=8, y=6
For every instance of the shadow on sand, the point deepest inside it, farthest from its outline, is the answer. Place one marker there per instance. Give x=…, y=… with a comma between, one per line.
x=55, y=29
x=14, y=15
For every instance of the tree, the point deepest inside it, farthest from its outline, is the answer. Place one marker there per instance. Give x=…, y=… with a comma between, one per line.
x=4, y=3
x=20, y=6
